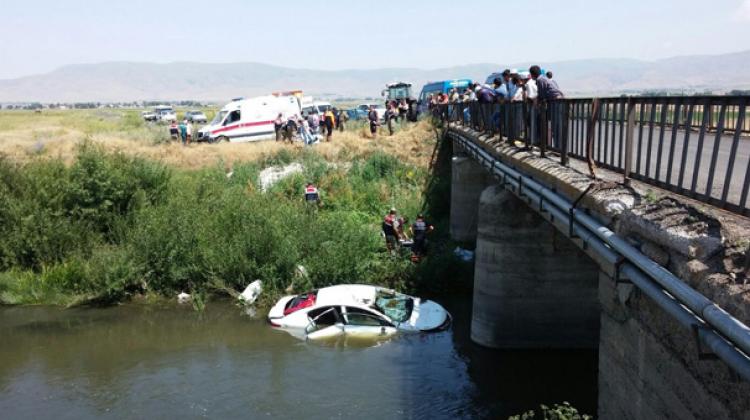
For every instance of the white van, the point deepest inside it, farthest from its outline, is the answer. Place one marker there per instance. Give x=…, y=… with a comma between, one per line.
x=249, y=119
x=165, y=113
x=318, y=106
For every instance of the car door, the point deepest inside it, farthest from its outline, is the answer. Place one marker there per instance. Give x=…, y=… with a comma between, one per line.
x=325, y=322
x=360, y=322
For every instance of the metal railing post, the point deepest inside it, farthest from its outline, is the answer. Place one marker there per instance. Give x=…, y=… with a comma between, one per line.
x=543, y=128
x=564, y=115
x=630, y=127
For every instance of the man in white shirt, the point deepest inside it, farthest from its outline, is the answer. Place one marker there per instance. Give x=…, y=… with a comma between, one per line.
x=531, y=94
x=188, y=132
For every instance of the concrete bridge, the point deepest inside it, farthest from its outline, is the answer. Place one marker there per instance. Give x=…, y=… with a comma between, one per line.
x=651, y=279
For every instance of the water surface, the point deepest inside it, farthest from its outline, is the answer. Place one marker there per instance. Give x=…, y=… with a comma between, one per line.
x=147, y=361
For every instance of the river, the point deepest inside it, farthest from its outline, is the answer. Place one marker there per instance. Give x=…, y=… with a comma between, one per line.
x=165, y=361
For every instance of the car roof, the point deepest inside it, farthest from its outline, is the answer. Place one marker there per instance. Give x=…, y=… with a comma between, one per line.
x=348, y=294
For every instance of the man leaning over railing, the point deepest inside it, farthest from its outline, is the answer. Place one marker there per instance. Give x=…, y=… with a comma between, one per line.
x=546, y=92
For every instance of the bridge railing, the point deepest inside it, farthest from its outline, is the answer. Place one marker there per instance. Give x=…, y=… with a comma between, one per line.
x=697, y=146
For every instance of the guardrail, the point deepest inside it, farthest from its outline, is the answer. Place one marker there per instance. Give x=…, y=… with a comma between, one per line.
x=725, y=336
x=696, y=146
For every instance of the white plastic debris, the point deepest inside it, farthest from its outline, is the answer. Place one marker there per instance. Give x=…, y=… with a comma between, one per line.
x=251, y=292
x=184, y=298
x=273, y=174
x=301, y=271
x=463, y=254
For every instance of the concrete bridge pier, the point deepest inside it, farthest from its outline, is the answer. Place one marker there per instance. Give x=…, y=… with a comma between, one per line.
x=468, y=179
x=533, y=288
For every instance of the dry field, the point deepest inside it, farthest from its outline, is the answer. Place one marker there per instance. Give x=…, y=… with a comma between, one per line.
x=25, y=135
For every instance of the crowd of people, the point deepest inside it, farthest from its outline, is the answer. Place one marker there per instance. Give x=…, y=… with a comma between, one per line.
x=398, y=111
x=512, y=86
x=310, y=127
x=182, y=131
x=533, y=88
x=396, y=236
x=394, y=227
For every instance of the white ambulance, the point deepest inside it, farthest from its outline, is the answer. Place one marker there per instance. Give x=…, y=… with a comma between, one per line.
x=249, y=119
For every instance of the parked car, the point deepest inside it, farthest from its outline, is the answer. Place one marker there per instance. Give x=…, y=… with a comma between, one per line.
x=354, y=114
x=364, y=109
x=321, y=107
x=148, y=115
x=356, y=310
x=196, y=117
x=164, y=113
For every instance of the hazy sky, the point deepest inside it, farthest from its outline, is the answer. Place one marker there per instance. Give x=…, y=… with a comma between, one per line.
x=37, y=36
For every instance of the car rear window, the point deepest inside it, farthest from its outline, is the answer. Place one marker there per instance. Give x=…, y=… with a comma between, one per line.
x=304, y=300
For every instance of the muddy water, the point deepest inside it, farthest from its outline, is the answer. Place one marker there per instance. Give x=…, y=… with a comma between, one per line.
x=138, y=361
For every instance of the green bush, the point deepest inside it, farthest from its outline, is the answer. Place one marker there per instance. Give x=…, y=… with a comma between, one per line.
x=110, y=225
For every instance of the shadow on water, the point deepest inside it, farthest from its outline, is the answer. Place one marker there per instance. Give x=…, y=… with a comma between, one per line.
x=505, y=382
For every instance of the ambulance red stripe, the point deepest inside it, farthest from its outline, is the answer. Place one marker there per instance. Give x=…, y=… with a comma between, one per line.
x=241, y=125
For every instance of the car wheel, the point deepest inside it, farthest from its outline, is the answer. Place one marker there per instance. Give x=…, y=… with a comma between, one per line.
x=222, y=139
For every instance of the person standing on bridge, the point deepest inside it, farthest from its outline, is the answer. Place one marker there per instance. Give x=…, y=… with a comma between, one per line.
x=547, y=92
x=485, y=96
x=554, y=82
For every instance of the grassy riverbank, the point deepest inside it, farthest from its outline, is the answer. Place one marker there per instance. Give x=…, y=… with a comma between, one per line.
x=106, y=219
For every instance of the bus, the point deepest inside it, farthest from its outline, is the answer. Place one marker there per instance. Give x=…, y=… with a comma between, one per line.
x=443, y=86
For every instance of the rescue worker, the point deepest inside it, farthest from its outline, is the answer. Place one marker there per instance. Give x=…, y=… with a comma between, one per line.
x=311, y=194
x=419, y=231
x=390, y=231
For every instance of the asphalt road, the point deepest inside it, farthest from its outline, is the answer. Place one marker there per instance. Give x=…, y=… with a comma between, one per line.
x=663, y=150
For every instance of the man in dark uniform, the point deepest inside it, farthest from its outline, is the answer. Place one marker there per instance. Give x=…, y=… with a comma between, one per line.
x=390, y=224
x=419, y=231
x=311, y=194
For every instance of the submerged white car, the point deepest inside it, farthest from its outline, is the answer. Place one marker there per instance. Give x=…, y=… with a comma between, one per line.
x=356, y=310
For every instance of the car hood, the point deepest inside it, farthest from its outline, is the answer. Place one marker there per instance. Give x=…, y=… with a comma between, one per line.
x=428, y=315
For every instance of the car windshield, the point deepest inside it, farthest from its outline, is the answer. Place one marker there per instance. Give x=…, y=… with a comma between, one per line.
x=219, y=117
x=399, y=92
x=395, y=306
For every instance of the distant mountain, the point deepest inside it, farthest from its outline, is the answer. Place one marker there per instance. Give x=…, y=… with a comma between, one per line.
x=128, y=81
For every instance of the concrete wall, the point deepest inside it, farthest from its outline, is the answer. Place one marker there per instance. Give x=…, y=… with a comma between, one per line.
x=649, y=366
x=533, y=288
x=468, y=179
